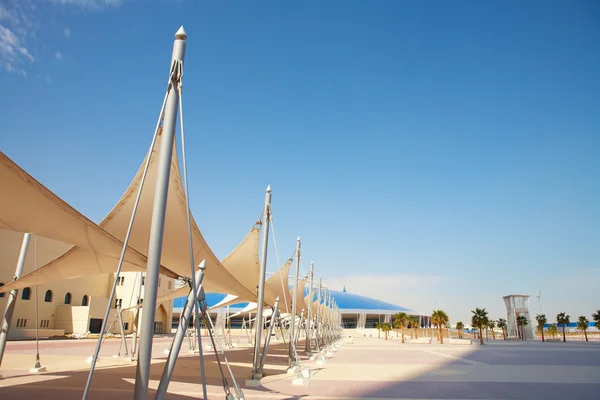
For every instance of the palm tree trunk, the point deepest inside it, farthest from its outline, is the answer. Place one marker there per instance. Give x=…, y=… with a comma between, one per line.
x=564, y=334
x=402, y=332
x=493, y=334
x=441, y=336
x=585, y=333
x=543, y=339
x=503, y=333
x=481, y=335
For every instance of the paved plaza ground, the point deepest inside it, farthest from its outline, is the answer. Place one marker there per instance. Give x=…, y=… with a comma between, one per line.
x=369, y=368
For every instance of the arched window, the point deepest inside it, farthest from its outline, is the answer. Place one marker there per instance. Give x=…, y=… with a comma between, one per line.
x=68, y=298
x=26, y=295
x=48, y=296
x=84, y=300
x=1, y=294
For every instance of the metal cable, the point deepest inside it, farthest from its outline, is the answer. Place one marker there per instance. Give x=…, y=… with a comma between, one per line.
x=125, y=244
x=220, y=347
x=189, y=221
x=284, y=290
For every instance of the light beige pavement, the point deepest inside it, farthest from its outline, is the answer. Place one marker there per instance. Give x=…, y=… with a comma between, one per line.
x=370, y=368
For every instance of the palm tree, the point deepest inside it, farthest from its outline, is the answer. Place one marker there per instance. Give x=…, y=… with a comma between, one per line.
x=480, y=320
x=596, y=317
x=502, y=325
x=414, y=323
x=491, y=325
x=400, y=320
x=563, y=319
x=582, y=325
x=541, y=320
x=553, y=330
x=439, y=319
x=521, y=323
x=378, y=325
x=386, y=327
x=460, y=326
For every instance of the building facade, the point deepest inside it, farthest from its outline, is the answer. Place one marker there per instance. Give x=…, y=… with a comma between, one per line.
x=74, y=305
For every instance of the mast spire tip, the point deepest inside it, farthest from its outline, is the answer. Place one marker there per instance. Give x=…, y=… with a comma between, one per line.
x=180, y=34
x=269, y=188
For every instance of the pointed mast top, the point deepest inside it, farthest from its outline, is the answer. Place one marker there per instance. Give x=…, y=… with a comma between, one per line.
x=269, y=188
x=180, y=34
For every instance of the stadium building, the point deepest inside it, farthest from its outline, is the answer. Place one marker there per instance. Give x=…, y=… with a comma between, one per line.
x=357, y=311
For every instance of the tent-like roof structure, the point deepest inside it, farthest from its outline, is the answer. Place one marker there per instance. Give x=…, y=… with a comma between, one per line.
x=28, y=206
x=80, y=232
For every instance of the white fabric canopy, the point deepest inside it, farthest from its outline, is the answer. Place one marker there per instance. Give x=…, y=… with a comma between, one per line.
x=299, y=297
x=175, y=252
x=273, y=285
x=27, y=206
x=244, y=265
x=278, y=284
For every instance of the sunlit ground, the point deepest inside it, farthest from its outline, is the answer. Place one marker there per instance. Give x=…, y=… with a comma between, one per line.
x=369, y=368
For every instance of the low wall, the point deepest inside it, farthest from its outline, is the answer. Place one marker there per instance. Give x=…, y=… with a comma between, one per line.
x=421, y=340
x=18, y=333
x=460, y=341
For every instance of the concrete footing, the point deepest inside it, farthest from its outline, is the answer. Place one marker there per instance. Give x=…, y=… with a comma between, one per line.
x=37, y=370
x=253, y=383
x=300, y=381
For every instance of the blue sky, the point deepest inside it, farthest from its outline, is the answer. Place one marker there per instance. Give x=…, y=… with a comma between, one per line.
x=432, y=154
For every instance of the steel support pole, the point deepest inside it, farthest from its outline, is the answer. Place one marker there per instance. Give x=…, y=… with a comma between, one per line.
x=299, y=325
x=261, y=284
x=136, y=318
x=309, y=311
x=318, y=322
x=12, y=296
x=121, y=330
x=274, y=317
x=194, y=295
x=292, y=352
x=158, y=222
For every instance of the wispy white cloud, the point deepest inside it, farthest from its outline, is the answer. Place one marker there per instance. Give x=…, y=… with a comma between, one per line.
x=89, y=4
x=18, y=22
x=12, y=51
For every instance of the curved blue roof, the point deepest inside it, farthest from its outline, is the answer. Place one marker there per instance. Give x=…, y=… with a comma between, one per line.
x=345, y=301
x=349, y=301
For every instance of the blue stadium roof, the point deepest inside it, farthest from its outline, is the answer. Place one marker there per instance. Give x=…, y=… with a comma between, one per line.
x=347, y=302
